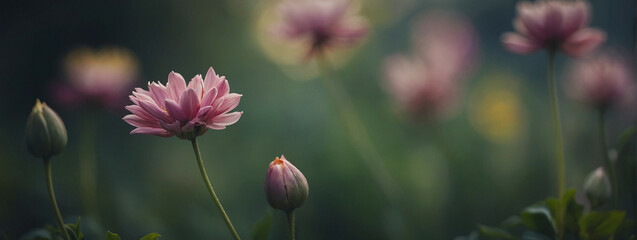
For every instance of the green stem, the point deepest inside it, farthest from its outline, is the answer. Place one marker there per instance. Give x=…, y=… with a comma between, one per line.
x=457, y=194
x=88, y=166
x=356, y=130
x=607, y=162
x=291, y=223
x=206, y=180
x=56, y=210
x=559, y=145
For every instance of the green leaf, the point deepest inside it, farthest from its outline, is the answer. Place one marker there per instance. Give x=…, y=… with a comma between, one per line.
x=573, y=210
x=261, y=228
x=496, y=233
x=539, y=219
x=112, y=236
x=511, y=222
x=151, y=236
x=624, y=138
x=600, y=225
x=76, y=229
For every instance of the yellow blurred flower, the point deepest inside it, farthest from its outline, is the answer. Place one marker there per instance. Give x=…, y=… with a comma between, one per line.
x=495, y=109
x=83, y=65
x=103, y=76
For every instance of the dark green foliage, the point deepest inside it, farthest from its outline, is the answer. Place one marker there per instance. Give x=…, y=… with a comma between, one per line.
x=261, y=228
x=538, y=222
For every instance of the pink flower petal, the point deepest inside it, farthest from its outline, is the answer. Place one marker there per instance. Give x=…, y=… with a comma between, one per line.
x=173, y=128
x=575, y=18
x=137, y=110
x=216, y=127
x=227, y=119
x=197, y=84
x=142, y=95
x=209, y=97
x=519, y=44
x=230, y=101
x=154, y=110
x=203, y=112
x=223, y=88
x=583, y=41
x=176, y=84
x=138, y=121
x=211, y=80
x=532, y=20
x=152, y=131
x=553, y=21
x=189, y=103
x=519, y=27
x=175, y=110
x=159, y=93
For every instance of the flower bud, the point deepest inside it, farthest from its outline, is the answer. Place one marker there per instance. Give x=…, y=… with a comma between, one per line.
x=285, y=186
x=597, y=187
x=45, y=131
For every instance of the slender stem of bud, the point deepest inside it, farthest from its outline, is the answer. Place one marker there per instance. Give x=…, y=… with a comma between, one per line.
x=607, y=162
x=559, y=145
x=56, y=210
x=291, y=223
x=206, y=180
x=356, y=130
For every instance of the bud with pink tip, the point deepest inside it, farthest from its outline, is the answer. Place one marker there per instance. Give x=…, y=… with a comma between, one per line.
x=285, y=186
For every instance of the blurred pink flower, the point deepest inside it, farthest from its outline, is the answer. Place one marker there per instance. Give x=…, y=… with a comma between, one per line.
x=552, y=24
x=186, y=111
x=429, y=82
x=323, y=23
x=602, y=81
x=100, y=77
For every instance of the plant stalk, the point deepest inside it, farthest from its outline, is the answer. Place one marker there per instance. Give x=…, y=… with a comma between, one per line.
x=206, y=180
x=559, y=145
x=291, y=223
x=356, y=130
x=56, y=210
x=610, y=166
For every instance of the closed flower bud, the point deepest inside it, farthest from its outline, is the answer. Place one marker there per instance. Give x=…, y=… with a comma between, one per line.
x=45, y=131
x=285, y=186
x=597, y=187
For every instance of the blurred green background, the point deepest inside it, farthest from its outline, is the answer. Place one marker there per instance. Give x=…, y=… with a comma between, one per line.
x=504, y=155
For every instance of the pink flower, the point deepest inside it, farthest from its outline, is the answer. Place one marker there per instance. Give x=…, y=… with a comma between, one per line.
x=100, y=77
x=550, y=24
x=322, y=23
x=429, y=82
x=602, y=81
x=186, y=111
